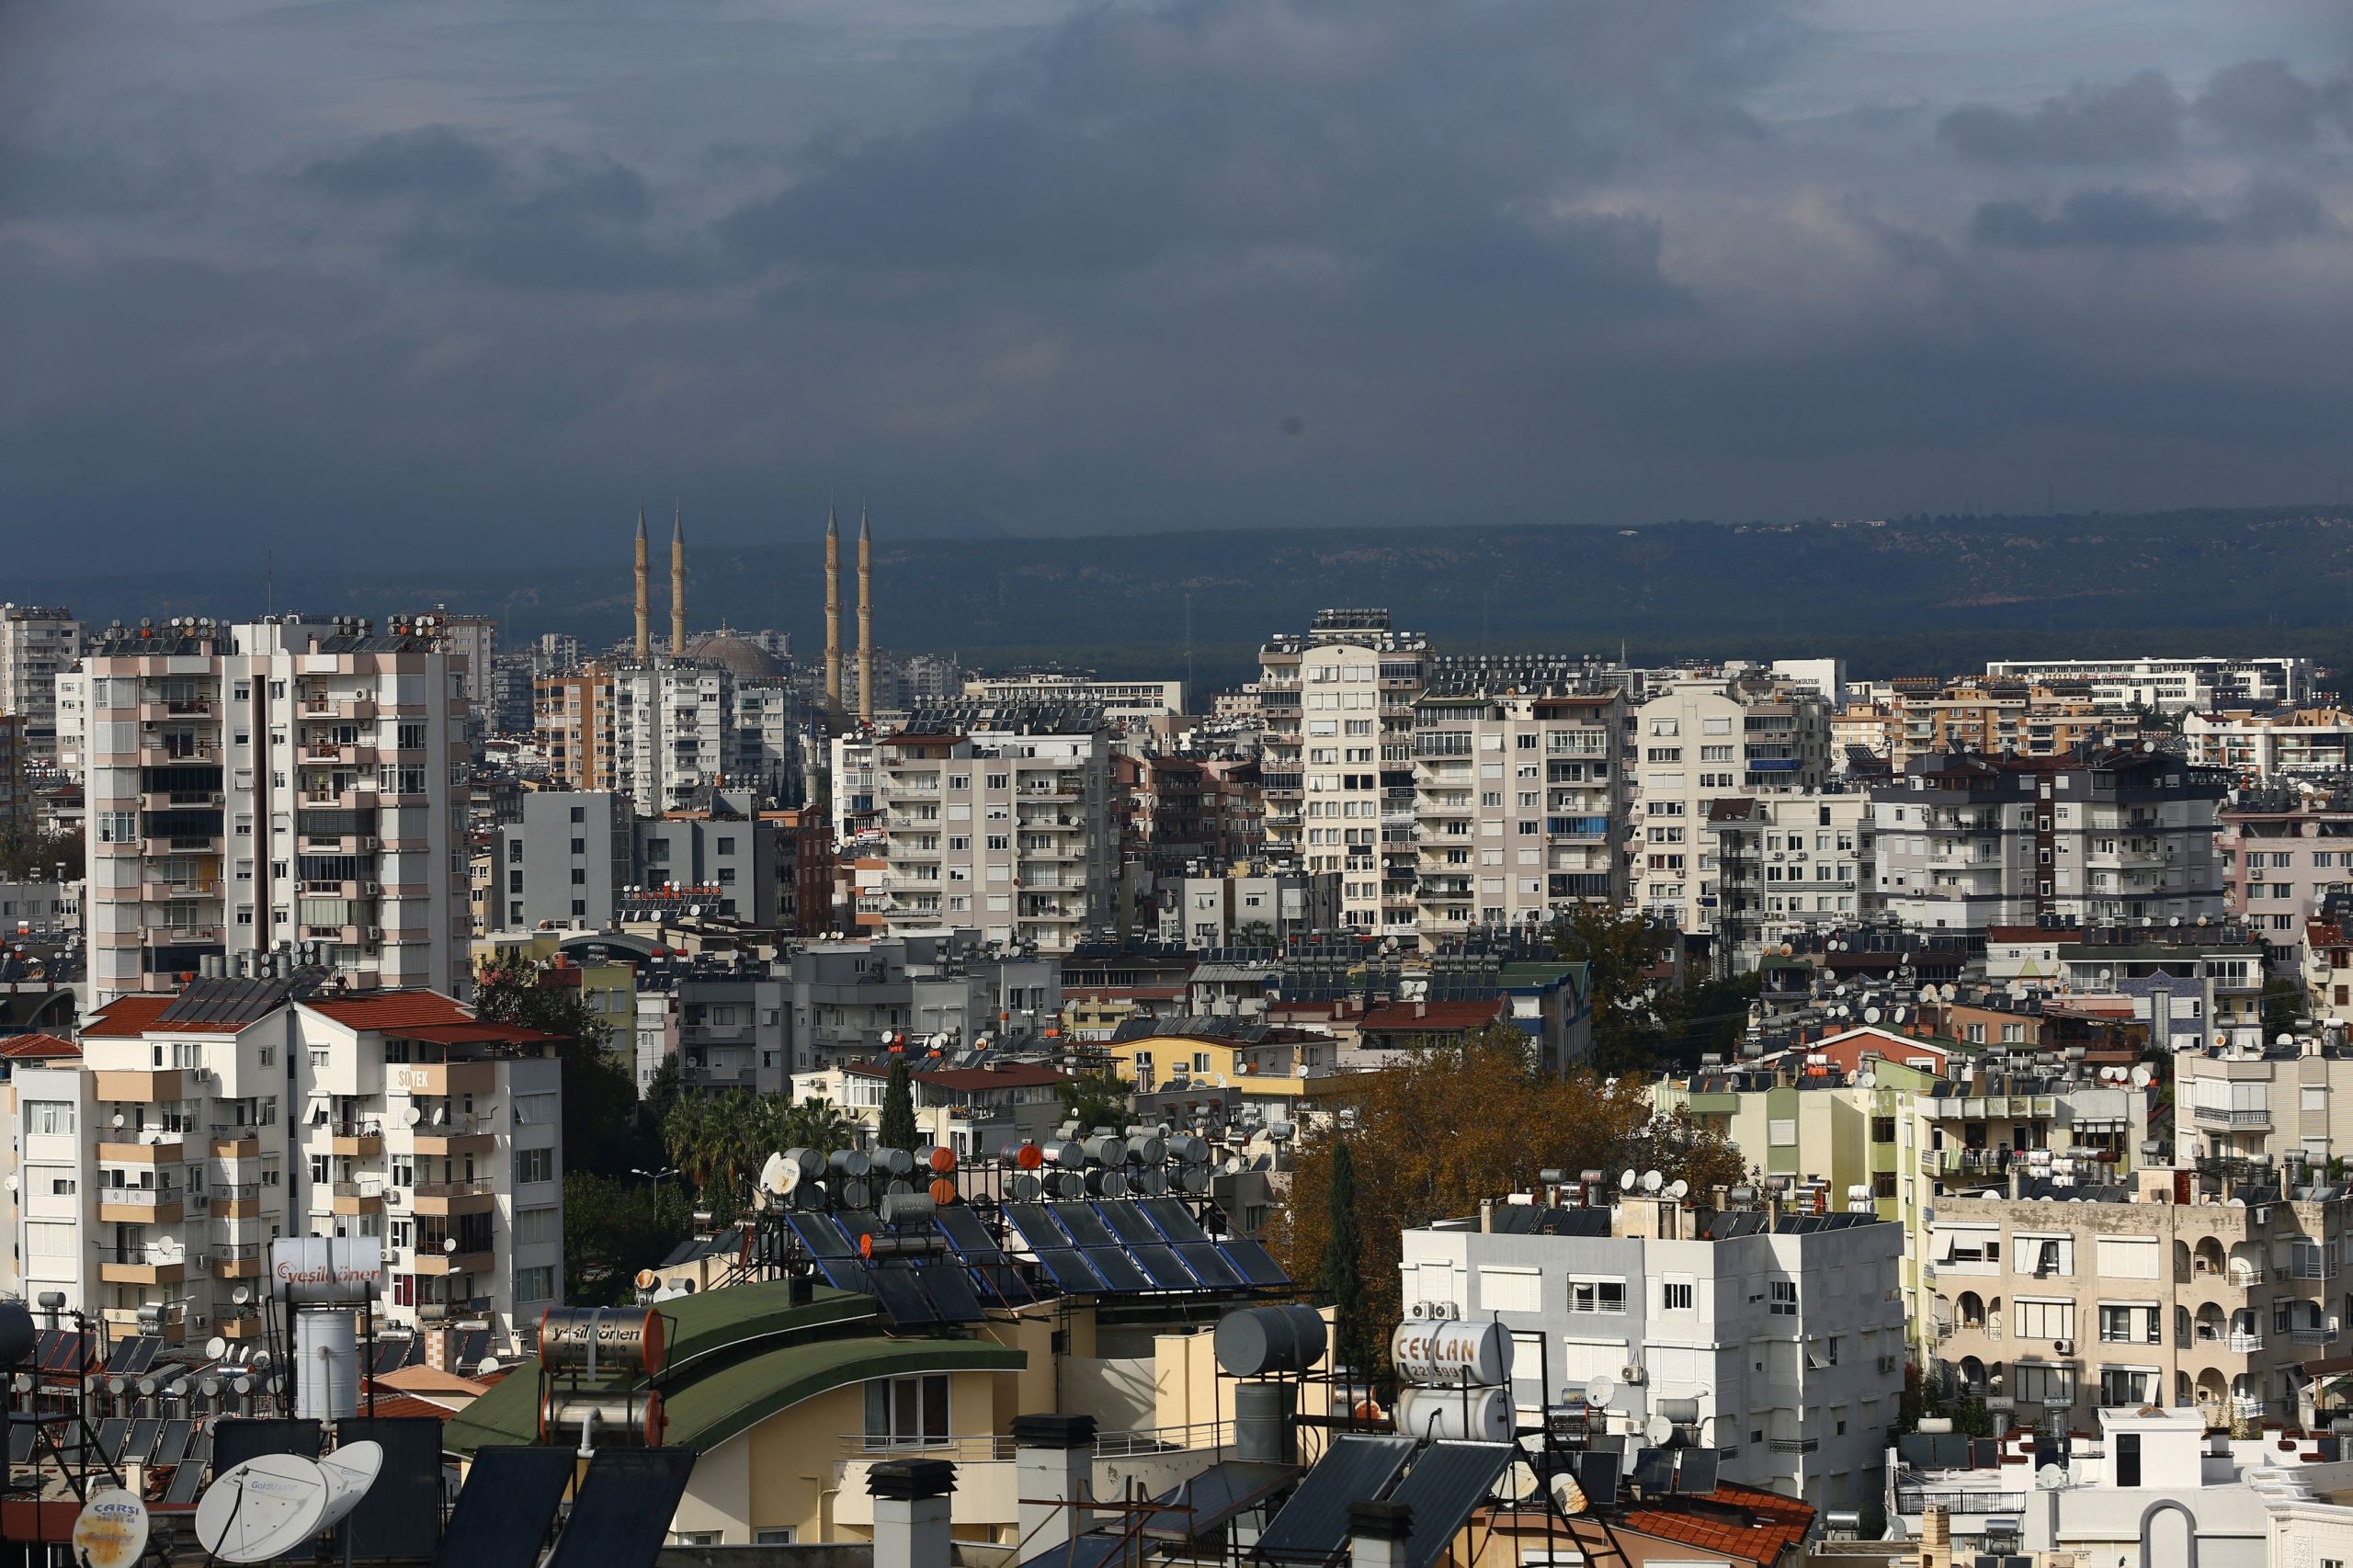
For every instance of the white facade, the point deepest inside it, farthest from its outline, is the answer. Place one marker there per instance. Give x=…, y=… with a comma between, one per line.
x=1786, y=864
x=157, y=1170
x=1692, y=743
x=2172, y=684
x=1124, y=702
x=36, y=646
x=1787, y=1332
x=287, y=784
x=2269, y=746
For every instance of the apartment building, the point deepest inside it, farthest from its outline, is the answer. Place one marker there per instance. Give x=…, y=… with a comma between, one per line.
x=1520, y=794
x=471, y=642
x=729, y=1019
x=2176, y=1289
x=671, y=729
x=2282, y=743
x=17, y=815
x=2172, y=685
x=850, y=998
x=978, y=1108
x=2284, y=1103
x=2283, y=851
x=1126, y=704
x=2328, y=964
x=1197, y=814
x=1786, y=864
x=289, y=784
x=1966, y=841
x=37, y=645
x=1000, y=818
x=554, y=653
x=572, y=714
x=1784, y=1329
x=2188, y=985
x=199, y=1126
x=1338, y=765
x=1253, y=904
x=1695, y=741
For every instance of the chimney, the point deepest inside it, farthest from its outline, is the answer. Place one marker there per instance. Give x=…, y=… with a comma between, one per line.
x=437, y=1348
x=911, y=1511
x=833, y=616
x=865, y=621
x=1376, y=1534
x=1053, y=1469
x=644, y=595
x=1936, y=1539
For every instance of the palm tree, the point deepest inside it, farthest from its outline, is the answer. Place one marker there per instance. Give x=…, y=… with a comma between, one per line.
x=817, y=1123
x=687, y=1135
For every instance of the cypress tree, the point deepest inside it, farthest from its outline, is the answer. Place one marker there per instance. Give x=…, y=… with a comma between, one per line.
x=897, y=1129
x=1341, y=1285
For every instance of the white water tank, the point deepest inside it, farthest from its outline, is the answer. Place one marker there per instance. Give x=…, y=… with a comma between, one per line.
x=326, y=1365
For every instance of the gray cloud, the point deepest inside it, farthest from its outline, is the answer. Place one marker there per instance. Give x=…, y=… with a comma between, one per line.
x=2261, y=102
x=2137, y=117
x=2141, y=220
x=432, y=161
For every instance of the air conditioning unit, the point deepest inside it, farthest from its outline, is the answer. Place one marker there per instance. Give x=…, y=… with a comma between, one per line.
x=1631, y=1373
x=2064, y=1347
x=371, y=843
x=375, y=933
x=203, y=1076
x=219, y=799
x=371, y=889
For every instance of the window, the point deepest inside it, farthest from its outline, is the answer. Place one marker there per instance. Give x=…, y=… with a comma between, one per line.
x=50, y=1116
x=1511, y=1291
x=2042, y=1319
x=906, y=1412
x=1675, y=1296
x=534, y=1164
x=2128, y=1258
x=2127, y=1324
x=1882, y=1129
x=535, y=1284
x=1782, y=1298
x=1596, y=1295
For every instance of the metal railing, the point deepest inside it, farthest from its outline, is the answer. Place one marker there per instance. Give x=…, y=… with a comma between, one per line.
x=455, y=1190
x=1914, y=1500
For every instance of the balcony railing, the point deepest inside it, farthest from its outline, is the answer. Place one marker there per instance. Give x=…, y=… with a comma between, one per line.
x=2226, y=1116
x=455, y=1190
x=1914, y=1500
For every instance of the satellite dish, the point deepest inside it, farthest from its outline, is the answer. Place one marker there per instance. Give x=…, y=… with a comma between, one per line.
x=1870, y=1015
x=1600, y=1388
x=1678, y=1189
x=269, y=1505
x=1626, y=1183
x=779, y=1177
x=488, y=1365
x=2051, y=1478
x=350, y=1470
x=1568, y=1496
x=261, y=1358
x=1659, y=1430
x=215, y=1348
x=242, y=1294
x=448, y=1246
x=1652, y=1181
x=2144, y=1076
x=1868, y=1078
x=1519, y=1482
x=111, y=1530
x=411, y=1117
x=119, y=1120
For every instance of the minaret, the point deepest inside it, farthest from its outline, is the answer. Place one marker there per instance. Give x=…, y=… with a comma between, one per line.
x=644, y=602
x=833, y=616
x=679, y=582
x=865, y=619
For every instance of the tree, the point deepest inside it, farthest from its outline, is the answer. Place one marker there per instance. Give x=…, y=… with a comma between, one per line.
x=1454, y=1125
x=1341, y=1285
x=1636, y=1014
x=602, y=1129
x=27, y=855
x=897, y=1128
x=2286, y=1006
x=612, y=1229
x=817, y=1123
x=1095, y=1098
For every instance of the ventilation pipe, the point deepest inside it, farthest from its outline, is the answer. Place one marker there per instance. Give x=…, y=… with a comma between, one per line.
x=1376, y=1534
x=911, y=1509
x=1053, y=1466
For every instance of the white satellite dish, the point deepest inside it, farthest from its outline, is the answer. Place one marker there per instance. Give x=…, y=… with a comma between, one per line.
x=266, y=1507
x=488, y=1365
x=1659, y=1430
x=1569, y=1496
x=111, y=1530
x=119, y=1120
x=1519, y=1482
x=1600, y=1388
x=215, y=1348
x=1626, y=1183
x=779, y=1177
x=1652, y=1181
x=2051, y=1478
x=1870, y=1015
x=350, y=1470
x=2144, y=1076
x=1678, y=1189
x=411, y=1117
x=1868, y=1078
x=242, y=1294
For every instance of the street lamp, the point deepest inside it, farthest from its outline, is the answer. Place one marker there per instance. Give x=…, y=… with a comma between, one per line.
x=657, y=1178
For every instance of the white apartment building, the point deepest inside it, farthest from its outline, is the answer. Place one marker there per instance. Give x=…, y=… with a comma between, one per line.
x=1786, y=864
x=2271, y=745
x=1125, y=703
x=1695, y=742
x=1520, y=792
x=37, y=645
x=1337, y=758
x=200, y=1127
x=2173, y=684
x=670, y=732
x=999, y=818
x=475, y=639
x=1786, y=1329
x=1966, y=841
x=286, y=785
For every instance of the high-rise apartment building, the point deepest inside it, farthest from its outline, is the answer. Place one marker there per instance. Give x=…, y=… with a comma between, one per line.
x=1520, y=797
x=289, y=784
x=1968, y=841
x=684, y=726
x=573, y=716
x=1786, y=863
x=1338, y=758
x=36, y=645
x=197, y=1128
x=1693, y=744
x=474, y=639
x=2174, y=685
x=1000, y=819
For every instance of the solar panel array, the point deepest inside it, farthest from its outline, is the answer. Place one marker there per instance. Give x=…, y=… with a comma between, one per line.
x=1137, y=1246
x=915, y=1271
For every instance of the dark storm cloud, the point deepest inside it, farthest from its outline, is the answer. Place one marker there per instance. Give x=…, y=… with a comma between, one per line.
x=432, y=161
x=2137, y=117
x=2144, y=220
x=2261, y=102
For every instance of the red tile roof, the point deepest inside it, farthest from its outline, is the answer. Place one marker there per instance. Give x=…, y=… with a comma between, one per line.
x=382, y=1401
x=398, y=1010
x=1433, y=1017
x=1846, y=1051
x=38, y=1047
x=1777, y=1524
x=126, y=1017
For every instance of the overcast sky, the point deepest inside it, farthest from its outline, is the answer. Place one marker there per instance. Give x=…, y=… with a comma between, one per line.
x=374, y=281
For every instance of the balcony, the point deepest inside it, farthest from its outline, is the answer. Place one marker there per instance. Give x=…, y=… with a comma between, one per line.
x=2244, y=1344
x=142, y=1266
x=443, y=1198
x=351, y=1197
x=141, y=1205
x=431, y=1259
x=2225, y=1116
x=236, y=1200
x=168, y=1149
x=453, y=1135
x=1794, y=1444
x=237, y=1260
x=238, y=1322
x=357, y=1139
x=235, y=1141
x=2313, y=1334
x=1914, y=1500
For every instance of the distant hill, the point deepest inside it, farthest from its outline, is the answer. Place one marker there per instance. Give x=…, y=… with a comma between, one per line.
x=1908, y=595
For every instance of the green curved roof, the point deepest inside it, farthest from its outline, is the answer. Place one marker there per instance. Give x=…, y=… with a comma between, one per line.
x=740, y=1355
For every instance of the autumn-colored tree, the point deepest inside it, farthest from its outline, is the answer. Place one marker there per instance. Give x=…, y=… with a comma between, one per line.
x=1445, y=1127
x=1636, y=1014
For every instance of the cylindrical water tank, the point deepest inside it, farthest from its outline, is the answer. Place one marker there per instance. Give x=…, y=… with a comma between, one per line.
x=1456, y=1415
x=1264, y=1429
x=612, y=1339
x=624, y=1420
x=1254, y=1341
x=1451, y=1350
x=326, y=1356
x=1682, y=1412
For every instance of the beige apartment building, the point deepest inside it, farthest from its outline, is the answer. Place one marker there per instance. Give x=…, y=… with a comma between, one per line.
x=1337, y=703
x=283, y=787
x=2257, y=745
x=198, y=1128
x=2181, y=1288
x=572, y=714
x=1520, y=789
x=2268, y=1102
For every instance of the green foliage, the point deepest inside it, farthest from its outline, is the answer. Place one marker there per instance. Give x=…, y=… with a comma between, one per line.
x=614, y=1227
x=604, y=1130
x=817, y=1123
x=1095, y=1098
x=1341, y=1284
x=2286, y=1006
x=25, y=854
x=896, y=1127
